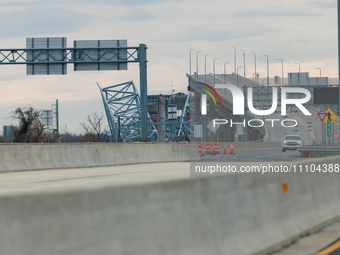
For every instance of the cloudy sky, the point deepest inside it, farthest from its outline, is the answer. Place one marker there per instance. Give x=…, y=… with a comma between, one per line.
x=301, y=31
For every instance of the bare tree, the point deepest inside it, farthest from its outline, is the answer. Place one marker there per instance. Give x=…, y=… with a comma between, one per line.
x=93, y=127
x=31, y=128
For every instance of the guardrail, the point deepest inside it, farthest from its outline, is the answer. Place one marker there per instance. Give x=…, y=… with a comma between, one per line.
x=318, y=151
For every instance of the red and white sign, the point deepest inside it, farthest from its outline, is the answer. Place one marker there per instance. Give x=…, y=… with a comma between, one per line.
x=322, y=116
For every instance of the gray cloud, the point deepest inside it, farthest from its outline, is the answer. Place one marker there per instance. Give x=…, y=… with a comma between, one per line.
x=39, y=21
x=275, y=13
x=331, y=4
x=123, y=2
x=24, y=4
x=137, y=14
x=205, y=34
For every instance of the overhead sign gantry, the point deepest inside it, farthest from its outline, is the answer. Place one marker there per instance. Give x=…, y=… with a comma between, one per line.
x=50, y=56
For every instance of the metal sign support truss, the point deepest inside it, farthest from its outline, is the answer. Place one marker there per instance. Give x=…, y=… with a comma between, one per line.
x=83, y=55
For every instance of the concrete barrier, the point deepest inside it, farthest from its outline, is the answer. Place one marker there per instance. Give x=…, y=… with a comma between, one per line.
x=220, y=215
x=54, y=156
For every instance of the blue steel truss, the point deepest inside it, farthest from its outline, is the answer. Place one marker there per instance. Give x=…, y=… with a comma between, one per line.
x=186, y=126
x=123, y=100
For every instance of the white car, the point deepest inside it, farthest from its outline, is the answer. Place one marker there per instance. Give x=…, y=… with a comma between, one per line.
x=291, y=142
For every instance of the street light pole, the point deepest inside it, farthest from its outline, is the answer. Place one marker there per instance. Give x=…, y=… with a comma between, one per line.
x=190, y=60
x=244, y=63
x=255, y=67
x=282, y=72
x=320, y=74
x=214, y=69
x=267, y=70
x=205, y=68
x=243, y=137
x=319, y=69
x=237, y=74
x=225, y=72
x=197, y=64
x=298, y=74
x=234, y=59
x=299, y=66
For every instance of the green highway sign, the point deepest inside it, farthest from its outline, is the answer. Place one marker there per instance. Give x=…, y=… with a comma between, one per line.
x=329, y=128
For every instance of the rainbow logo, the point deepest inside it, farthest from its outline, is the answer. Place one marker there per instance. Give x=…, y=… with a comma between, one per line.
x=204, y=97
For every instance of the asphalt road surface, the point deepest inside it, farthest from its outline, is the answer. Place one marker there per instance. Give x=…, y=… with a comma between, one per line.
x=91, y=178
x=255, y=156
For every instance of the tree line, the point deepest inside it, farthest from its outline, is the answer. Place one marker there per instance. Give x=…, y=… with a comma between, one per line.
x=30, y=128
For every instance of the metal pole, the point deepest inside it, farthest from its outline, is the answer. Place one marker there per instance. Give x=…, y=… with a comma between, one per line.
x=267, y=70
x=225, y=72
x=143, y=92
x=255, y=68
x=205, y=68
x=234, y=59
x=116, y=132
x=244, y=63
x=282, y=72
x=323, y=134
x=319, y=69
x=317, y=80
x=57, y=110
x=118, y=128
x=237, y=74
x=214, y=70
x=245, y=132
x=197, y=64
x=205, y=128
x=190, y=62
x=190, y=74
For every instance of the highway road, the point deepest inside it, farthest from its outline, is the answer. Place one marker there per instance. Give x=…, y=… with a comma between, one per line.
x=91, y=178
x=277, y=131
x=255, y=156
x=30, y=181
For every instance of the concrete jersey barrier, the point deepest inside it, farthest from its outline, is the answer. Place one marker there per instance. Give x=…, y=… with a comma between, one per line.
x=221, y=215
x=37, y=157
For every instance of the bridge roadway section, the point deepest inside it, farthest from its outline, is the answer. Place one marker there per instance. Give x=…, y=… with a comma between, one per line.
x=276, y=130
x=151, y=208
